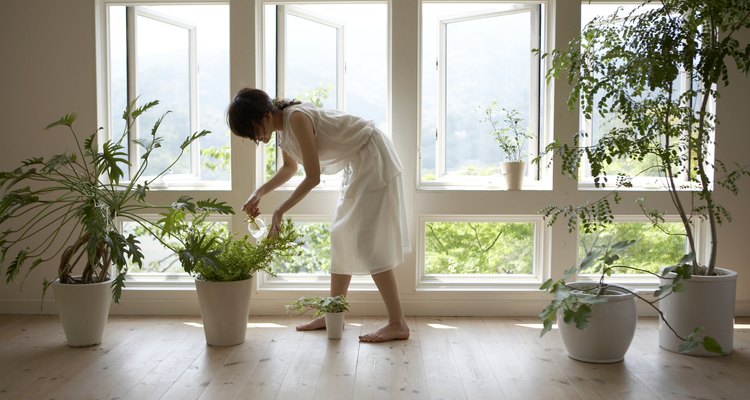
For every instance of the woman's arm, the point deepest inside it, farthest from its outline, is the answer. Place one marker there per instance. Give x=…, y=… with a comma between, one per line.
x=302, y=127
x=282, y=175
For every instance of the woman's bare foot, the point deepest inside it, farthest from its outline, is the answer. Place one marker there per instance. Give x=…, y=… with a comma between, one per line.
x=392, y=331
x=317, y=323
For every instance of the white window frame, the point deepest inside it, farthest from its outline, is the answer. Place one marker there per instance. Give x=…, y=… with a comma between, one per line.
x=496, y=182
x=485, y=282
x=132, y=13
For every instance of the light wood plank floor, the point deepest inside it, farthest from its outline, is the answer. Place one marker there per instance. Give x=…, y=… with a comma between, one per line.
x=446, y=358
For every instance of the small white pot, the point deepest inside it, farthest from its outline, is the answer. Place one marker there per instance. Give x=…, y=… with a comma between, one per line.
x=706, y=301
x=224, y=309
x=334, y=324
x=83, y=310
x=610, y=331
x=514, y=172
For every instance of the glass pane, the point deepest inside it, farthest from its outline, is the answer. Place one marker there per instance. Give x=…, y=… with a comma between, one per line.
x=118, y=67
x=479, y=72
x=474, y=55
x=654, y=248
x=163, y=72
x=316, y=251
x=479, y=248
x=311, y=67
x=599, y=125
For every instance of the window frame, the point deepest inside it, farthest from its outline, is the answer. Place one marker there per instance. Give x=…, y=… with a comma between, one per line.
x=537, y=177
x=484, y=282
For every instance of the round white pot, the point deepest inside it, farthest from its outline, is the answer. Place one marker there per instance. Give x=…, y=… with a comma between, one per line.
x=610, y=331
x=514, y=172
x=83, y=310
x=224, y=308
x=706, y=301
x=334, y=324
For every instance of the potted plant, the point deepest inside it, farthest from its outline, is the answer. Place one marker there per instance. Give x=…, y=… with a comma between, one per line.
x=332, y=308
x=63, y=209
x=596, y=319
x=511, y=138
x=626, y=69
x=222, y=264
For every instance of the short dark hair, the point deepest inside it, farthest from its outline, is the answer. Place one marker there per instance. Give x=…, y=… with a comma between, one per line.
x=245, y=112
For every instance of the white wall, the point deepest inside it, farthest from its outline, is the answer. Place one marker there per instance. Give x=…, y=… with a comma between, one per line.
x=48, y=68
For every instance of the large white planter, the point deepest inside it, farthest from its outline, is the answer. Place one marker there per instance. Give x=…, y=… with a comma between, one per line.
x=224, y=308
x=513, y=172
x=83, y=310
x=611, y=328
x=706, y=301
x=334, y=324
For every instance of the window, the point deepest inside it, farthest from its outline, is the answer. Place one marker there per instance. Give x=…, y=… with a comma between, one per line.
x=331, y=55
x=178, y=55
x=481, y=250
x=474, y=55
x=645, y=173
x=654, y=248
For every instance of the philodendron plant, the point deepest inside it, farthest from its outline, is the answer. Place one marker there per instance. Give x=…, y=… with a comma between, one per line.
x=575, y=304
x=65, y=207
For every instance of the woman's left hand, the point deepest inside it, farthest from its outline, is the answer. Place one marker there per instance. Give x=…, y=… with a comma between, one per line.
x=276, y=221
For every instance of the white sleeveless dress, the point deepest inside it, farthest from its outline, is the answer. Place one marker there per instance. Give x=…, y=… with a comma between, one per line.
x=369, y=232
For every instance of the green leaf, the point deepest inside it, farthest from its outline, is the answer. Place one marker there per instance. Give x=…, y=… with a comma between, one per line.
x=712, y=345
x=66, y=120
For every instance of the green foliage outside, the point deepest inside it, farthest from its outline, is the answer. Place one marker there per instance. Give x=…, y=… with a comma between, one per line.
x=315, y=252
x=479, y=248
x=652, y=250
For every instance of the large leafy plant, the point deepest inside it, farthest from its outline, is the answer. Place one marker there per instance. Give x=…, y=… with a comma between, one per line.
x=575, y=304
x=627, y=69
x=64, y=207
x=211, y=252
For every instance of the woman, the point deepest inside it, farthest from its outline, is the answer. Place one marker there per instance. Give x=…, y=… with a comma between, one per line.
x=368, y=233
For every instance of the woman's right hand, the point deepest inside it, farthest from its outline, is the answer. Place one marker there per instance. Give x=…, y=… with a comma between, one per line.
x=252, y=205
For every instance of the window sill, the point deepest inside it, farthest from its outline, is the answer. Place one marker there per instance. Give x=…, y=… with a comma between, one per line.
x=493, y=184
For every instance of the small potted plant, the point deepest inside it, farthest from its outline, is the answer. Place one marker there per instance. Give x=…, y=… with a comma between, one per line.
x=332, y=308
x=222, y=264
x=511, y=138
x=64, y=208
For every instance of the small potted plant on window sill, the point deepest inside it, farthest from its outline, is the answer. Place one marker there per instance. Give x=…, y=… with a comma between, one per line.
x=222, y=264
x=332, y=308
x=65, y=209
x=511, y=138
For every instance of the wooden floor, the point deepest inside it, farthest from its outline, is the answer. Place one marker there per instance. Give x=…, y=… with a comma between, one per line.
x=446, y=358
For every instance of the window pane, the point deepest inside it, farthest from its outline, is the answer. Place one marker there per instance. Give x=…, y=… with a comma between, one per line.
x=182, y=60
x=474, y=55
x=653, y=249
x=317, y=38
x=479, y=248
x=316, y=251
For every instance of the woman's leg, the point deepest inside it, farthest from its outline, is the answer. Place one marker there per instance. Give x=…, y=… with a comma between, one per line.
x=339, y=286
x=396, y=329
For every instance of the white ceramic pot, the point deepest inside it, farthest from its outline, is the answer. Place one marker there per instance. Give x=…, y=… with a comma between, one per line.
x=610, y=331
x=83, y=310
x=514, y=172
x=224, y=308
x=334, y=324
x=706, y=301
